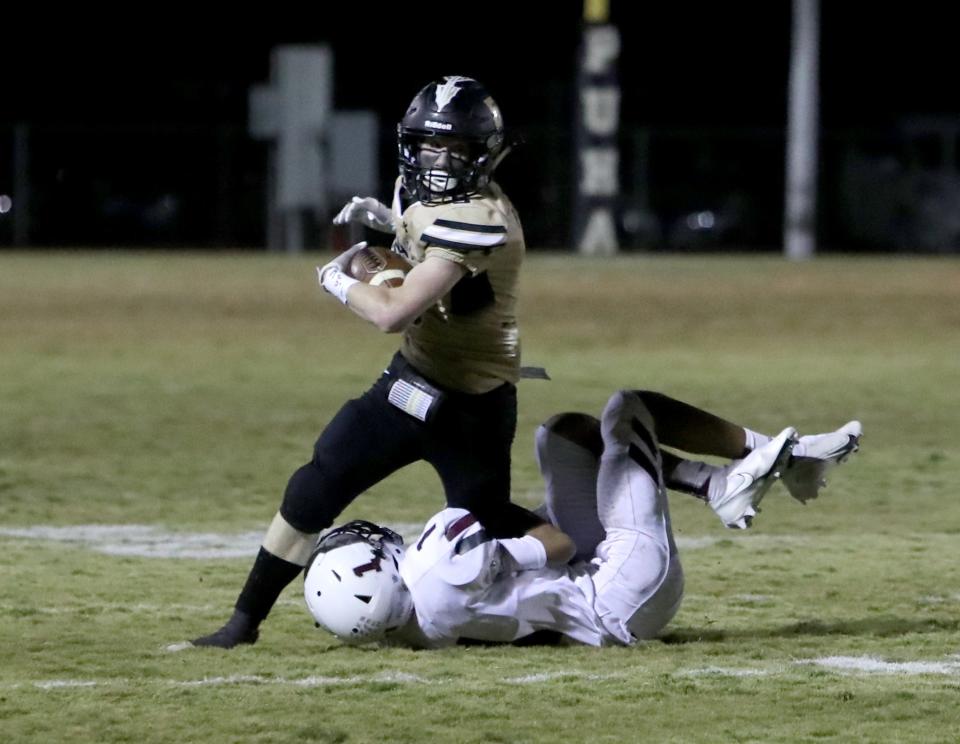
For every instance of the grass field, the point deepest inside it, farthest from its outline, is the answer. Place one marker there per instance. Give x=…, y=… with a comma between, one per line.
x=166, y=399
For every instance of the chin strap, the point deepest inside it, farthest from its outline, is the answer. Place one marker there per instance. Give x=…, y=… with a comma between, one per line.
x=499, y=159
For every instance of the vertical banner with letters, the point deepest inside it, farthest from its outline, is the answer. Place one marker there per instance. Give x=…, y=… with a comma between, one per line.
x=596, y=129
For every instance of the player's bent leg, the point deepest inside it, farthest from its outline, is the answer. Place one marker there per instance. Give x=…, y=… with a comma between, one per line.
x=634, y=559
x=632, y=573
x=476, y=475
x=631, y=457
x=360, y=446
x=691, y=429
x=568, y=449
x=365, y=442
x=654, y=614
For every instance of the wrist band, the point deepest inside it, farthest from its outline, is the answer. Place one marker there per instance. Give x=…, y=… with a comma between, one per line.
x=527, y=551
x=337, y=283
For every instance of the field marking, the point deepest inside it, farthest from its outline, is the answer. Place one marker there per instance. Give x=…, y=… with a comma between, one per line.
x=386, y=677
x=851, y=665
x=846, y=665
x=938, y=599
x=143, y=541
x=715, y=671
x=528, y=679
x=59, y=684
x=151, y=541
x=874, y=665
x=149, y=608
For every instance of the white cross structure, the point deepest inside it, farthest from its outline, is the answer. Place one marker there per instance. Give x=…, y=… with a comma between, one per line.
x=317, y=154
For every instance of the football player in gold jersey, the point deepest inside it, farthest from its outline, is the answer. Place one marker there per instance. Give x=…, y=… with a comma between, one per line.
x=448, y=396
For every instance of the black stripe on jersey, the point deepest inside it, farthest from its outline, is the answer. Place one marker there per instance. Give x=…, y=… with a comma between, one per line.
x=465, y=247
x=471, y=541
x=641, y=431
x=639, y=457
x=425, y=536
x=470, y=226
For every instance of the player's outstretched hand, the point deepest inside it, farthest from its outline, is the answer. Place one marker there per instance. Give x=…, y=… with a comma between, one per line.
x=367, y=211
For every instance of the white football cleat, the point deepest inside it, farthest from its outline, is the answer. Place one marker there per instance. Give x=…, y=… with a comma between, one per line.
x=749, y=479
x=814, y=455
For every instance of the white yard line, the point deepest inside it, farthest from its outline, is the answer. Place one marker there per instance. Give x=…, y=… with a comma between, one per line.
x=716, y=671
x=847, y=665
x=873, y=665
x=141, y=608
x=59, y=684
x=528, y=679
x=939, y=599
x=151, y=541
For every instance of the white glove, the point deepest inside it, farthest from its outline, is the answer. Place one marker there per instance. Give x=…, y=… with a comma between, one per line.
x=368, y=212
x=333, y=276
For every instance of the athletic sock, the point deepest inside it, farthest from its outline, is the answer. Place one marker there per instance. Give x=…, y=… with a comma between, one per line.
x=268, y=577
x=699, y=479
x=754, y=440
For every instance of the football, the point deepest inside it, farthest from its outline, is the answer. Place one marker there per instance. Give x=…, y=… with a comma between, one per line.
x=377, y=265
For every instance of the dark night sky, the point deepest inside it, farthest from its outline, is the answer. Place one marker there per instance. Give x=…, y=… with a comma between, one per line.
x=685, y=63
x=121, y=103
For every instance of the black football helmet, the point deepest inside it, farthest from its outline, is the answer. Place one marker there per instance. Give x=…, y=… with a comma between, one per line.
x=450, y=140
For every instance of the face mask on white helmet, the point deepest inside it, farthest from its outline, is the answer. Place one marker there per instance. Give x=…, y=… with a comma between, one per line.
x=352, y=584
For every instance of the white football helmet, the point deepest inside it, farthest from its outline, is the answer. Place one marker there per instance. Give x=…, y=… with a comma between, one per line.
x=352, y=583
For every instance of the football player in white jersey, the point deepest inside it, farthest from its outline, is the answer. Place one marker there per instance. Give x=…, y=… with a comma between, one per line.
x=449, y=395
x=607, y=505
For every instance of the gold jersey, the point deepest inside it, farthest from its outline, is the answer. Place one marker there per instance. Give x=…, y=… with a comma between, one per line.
x=469, y=340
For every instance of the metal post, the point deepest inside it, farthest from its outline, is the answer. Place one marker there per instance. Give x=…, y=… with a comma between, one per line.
x=800, y=213
x=21, y=185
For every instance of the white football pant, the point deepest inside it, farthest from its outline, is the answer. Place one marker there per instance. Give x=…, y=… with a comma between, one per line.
x=616, y=511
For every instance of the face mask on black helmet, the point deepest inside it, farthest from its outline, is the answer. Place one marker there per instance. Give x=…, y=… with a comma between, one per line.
x=450, y=141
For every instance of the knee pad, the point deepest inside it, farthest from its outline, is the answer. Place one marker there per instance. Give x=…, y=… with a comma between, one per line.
x=625, y=412
x=306, y=505
x=579, y=428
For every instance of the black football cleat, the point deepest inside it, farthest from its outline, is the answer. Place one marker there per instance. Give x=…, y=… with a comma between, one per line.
x=238, y=629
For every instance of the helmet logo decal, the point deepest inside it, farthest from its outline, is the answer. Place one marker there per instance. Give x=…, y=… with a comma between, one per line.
x=448, y=89
x=373, y=565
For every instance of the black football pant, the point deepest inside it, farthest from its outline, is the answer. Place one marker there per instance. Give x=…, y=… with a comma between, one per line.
x=467, y=442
